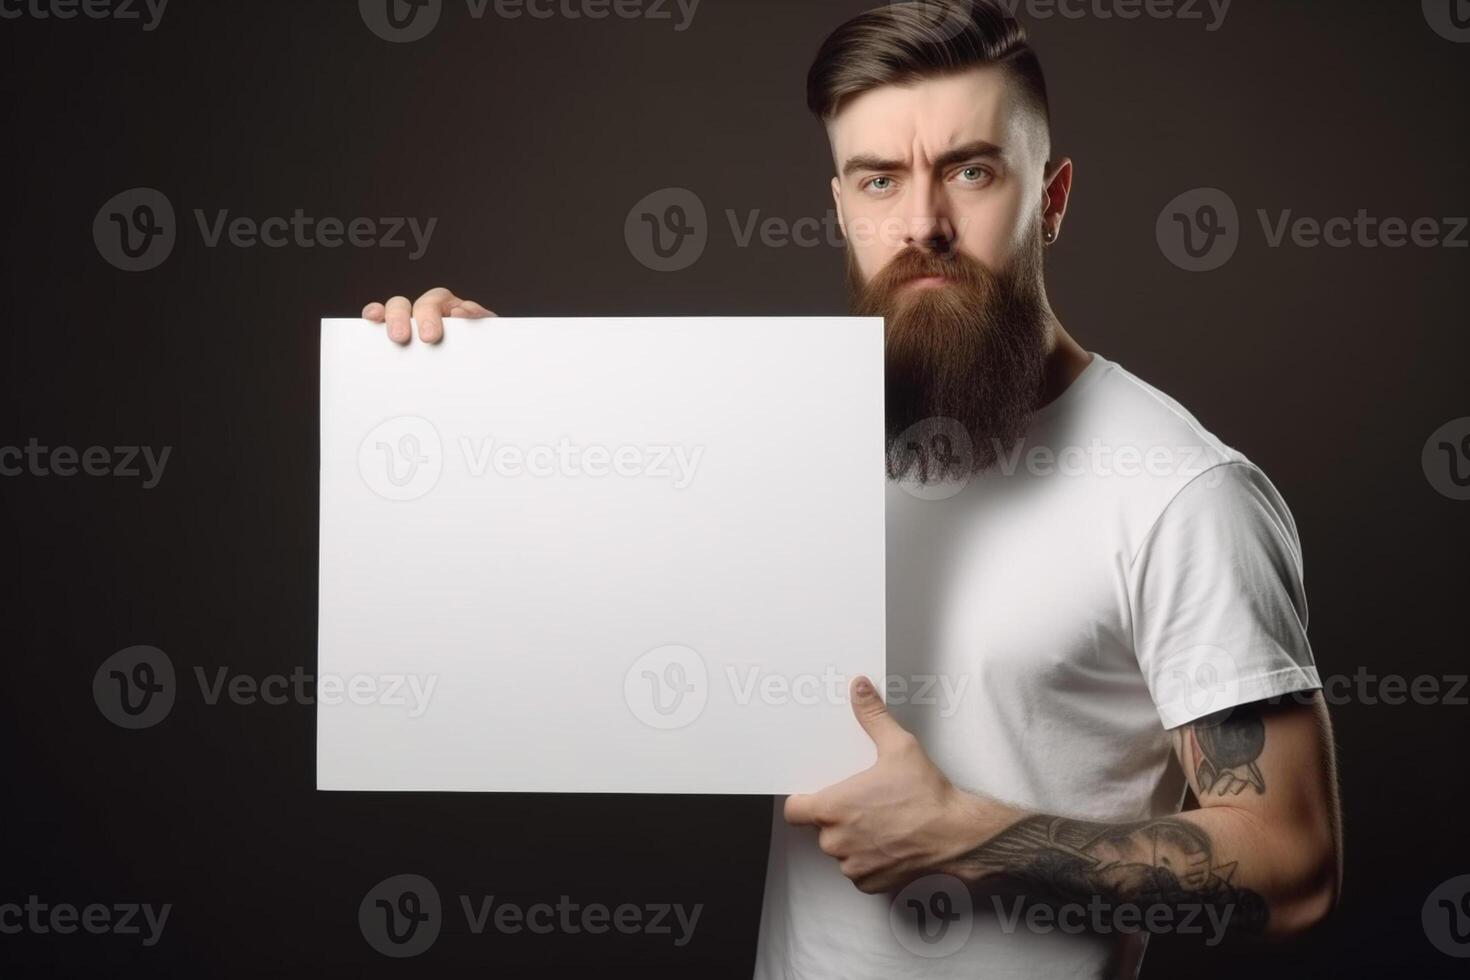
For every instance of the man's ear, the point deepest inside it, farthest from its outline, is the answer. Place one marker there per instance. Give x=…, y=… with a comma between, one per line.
x=837, y=203
x=1056, y=190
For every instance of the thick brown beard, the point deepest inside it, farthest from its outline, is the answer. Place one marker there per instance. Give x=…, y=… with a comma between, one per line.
x=968, y=355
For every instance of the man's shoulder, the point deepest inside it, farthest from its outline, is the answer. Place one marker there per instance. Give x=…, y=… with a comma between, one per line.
x=1122, y=409
x=1140, y=447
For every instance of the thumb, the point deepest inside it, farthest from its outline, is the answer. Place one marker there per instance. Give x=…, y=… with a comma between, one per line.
x=873, y=714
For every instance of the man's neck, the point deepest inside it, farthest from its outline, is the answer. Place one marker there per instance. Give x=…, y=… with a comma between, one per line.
x=1065, y=360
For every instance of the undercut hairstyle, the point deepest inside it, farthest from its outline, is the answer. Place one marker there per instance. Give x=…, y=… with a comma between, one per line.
x=900, y=43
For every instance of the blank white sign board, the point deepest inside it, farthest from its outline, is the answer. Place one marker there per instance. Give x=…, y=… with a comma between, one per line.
x=622, y=555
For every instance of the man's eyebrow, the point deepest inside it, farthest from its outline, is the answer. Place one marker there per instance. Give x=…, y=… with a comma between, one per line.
x=866, y=161
x=967, y=151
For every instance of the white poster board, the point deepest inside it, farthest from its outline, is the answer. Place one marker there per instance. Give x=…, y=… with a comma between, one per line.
x=625, y=555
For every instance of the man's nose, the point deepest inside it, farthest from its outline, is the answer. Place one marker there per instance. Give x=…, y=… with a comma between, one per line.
x=928, y=225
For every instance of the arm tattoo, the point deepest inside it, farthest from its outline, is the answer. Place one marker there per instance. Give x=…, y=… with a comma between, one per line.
x=1164, y=862
x=1223, y=753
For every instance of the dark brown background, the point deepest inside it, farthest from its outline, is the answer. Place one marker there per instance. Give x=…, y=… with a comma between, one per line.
x=530, y=140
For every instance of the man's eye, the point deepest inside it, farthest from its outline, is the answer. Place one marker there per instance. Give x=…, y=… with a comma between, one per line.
x=880, y=183
x=974, y=175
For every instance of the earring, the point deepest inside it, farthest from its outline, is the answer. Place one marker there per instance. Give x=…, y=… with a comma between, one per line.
x=1049, y=234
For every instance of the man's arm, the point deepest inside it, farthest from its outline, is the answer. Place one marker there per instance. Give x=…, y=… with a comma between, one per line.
x=1264, y=846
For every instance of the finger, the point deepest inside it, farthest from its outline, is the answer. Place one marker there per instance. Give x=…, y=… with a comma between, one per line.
x=469, y=310
x=397, y=312
x=473, y=310
x=830, y=842
x=429, y=312
x=872, y=714
x=373, y=312
x=801, y=810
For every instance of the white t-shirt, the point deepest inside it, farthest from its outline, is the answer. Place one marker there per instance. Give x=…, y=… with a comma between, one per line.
x=1122, y=574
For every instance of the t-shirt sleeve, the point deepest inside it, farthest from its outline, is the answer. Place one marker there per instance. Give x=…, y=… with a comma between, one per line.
x=1219, y=609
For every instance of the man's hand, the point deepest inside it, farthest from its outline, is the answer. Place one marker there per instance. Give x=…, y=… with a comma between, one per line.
x=899, y=819
x=429, y=312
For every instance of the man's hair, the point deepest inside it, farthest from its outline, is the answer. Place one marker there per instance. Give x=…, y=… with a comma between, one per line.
x=904, y=42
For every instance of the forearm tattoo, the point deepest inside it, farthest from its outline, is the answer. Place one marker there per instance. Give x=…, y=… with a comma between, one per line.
x=1165, y=862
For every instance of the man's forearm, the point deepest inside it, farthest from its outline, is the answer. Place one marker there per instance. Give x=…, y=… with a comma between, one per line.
x=1217, y=861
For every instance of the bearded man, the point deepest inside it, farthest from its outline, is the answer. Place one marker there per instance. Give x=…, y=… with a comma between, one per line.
x=1120, y=591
